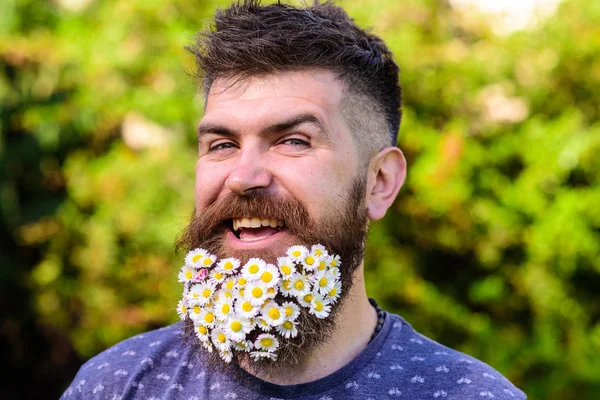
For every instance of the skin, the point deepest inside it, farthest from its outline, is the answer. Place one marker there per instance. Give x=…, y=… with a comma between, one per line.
x=243, y=146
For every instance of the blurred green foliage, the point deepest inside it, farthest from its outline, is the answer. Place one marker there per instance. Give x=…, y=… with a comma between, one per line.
x=492, y=247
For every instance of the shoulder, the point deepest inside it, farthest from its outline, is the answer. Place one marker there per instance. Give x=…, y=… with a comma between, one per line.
x=127, y=364
x=423, y=365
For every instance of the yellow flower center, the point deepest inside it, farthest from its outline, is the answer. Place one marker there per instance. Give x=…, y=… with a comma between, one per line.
x=271, y=290
x=227, y=294
x=322, y=266
x=289, y=311
x=242, y=291
x=274, y=313
x=228, y=266
x=334, y=263
x=229, y=285
x=206, y=293
x=266, y=342
x=299, y=285
x=221, y=338
x=287, y=325
x=218, y=275
x=196, y=258
x=246, y=306
x=241, y=281
x=286, y=284
x=202, y=329
x=309, y=260
x=318, y=252
x=197, y=309
x=207, y=261
x=266, y=277
x=332, y=292
x=318, y=305
x=296, y=253
x=188, y=274
x=225, y=308
x=257, y=292
x=286, y=269
x=253, y=269
x=209, y=317
x=323, y=282
x=308, y=298
x=183, y=309
x=236, y=326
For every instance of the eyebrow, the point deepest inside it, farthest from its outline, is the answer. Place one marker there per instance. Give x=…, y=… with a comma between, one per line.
x=284, y=125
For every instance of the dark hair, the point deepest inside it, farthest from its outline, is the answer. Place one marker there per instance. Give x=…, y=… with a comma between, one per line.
x=250, y=39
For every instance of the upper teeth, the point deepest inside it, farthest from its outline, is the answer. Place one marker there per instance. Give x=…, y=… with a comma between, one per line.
x=255, y=223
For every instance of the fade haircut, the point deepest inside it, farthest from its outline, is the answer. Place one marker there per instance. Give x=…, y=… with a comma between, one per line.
x=249, y=39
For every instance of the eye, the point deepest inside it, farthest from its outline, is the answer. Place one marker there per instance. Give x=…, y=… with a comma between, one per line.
x=221, y=146
x=296, y=142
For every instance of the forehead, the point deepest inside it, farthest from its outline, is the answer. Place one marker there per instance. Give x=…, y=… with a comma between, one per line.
x=284, y=94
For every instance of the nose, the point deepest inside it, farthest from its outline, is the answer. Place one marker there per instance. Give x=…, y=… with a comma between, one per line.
x=249, y=172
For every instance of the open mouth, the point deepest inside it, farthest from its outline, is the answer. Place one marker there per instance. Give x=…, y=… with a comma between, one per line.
x=250, y=229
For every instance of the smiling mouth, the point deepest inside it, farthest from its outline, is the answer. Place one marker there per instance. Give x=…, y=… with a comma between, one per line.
x=249, y=229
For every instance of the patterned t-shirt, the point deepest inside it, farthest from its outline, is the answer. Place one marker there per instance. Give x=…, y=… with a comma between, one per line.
x=398, y=363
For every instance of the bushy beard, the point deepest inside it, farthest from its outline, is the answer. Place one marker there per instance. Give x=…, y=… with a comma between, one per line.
x=342, y=232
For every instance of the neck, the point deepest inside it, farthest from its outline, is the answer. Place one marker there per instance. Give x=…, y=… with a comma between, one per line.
x=356, y=323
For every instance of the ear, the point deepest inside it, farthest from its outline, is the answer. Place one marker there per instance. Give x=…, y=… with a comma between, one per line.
x=387, y=171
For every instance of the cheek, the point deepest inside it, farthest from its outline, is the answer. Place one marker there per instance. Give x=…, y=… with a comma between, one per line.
x=208, y=183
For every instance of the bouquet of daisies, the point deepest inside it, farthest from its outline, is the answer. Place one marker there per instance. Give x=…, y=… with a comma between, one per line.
x=229, y=302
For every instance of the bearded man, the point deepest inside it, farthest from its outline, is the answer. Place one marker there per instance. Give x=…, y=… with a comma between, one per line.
x=296, y=154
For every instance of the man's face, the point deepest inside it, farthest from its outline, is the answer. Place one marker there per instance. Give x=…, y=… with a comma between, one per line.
x=282, y=136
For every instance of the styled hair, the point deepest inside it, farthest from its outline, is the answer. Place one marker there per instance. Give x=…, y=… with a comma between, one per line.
x=249, y=39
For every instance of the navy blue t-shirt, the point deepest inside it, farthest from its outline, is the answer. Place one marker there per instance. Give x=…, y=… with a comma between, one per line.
x=398, y=363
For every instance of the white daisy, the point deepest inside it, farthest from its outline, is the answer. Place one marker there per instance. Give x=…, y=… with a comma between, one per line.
x=271, y=292
x=219, y=339
x=323, y=264
x=194, y=258
x=300, y=284
x=241, y=282
x=186, y=274
x=206, y=316
x=270, y=275
x=228, y=266
x=244, y=345
x=202, y=332
x=320, y=306
x=208, y=346
x=223, y=307
x=229, y=285
x=216, y=276
x=287, y=329
x=223, y=293
x=297, y=253
x=305, y=299
x=291, y=310
x=262, y=324
x=195, y=312
x=286, y=266
x=318, y=250
x=201, y=293
x=335, y=291
x=245, y=308
x=335, y=271
x=285, y=287
x=324, y=281
x=208, y=260
x=236, y=328
x=310, y=262
x=182, y=309
x=226, y=355
x=253, y=269
x=256, y=355
x=256, y=292
x=266, y=342
x=273, y=313
x=335, y=261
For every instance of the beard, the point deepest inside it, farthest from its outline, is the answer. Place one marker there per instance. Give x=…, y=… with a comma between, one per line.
x=343, y=232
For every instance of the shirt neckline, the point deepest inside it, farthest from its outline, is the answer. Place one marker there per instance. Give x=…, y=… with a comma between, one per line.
x=328, y=382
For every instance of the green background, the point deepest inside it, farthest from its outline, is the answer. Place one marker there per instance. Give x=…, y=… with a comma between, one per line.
x=492, y=247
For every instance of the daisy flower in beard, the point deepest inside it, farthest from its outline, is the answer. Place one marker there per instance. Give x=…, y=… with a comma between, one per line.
x=236, y=328
x=244, y=345
x=324, y=281
x=253, y=269
x=320, y=306
x=270, y=276
x=318, y=250
x=206, y=317
x=305, y=300
x=201, y=332
x=290, y=310
x=335, y=261
x=286, y=267
x=201, y=293
x=256, y=355
x=272, y=313
x=219, y=339
x=297, y=253
x=262, y=324
x=208, y=346
x=287, y=329
x=223, y=308
x=186, y=274
x=245, y=308
x=266, y=342
x=195, y=257
x=286, y=288
x=229, y=285
x=216, y=277
x=226, y=355
x=256, y=293
x=228, y=266
x=310, y=262
x=195, y=312
x=182, y=309
x=335, y=291
x=299, y=284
